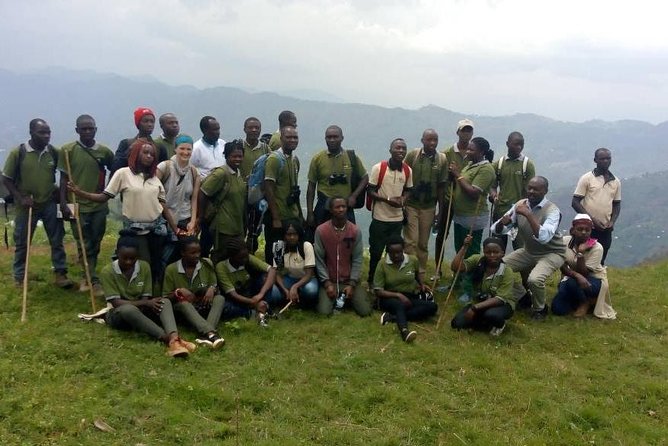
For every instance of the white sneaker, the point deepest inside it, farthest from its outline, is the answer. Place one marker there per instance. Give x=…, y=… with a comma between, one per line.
x=496, y=331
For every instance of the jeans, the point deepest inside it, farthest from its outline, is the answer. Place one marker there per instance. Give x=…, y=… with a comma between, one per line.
x=483, y=320
x=604, y=237
x=570, y=296
x=234, y=309
x=54, y=231
x=308, y=293
x=418, y=311
x=93, y=227
x=379, y=233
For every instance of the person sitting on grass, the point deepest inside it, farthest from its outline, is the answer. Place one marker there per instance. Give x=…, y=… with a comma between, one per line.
x=247, y=283
x=191, y=284
x=401, y=293
x=295, y=261
x=585, y=281
x=498, y=288
x=127, y=288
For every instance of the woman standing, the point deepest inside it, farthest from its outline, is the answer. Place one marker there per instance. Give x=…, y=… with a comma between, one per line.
x=181, y=182
x=143, y=204
x=127, y=287
x=585, y=281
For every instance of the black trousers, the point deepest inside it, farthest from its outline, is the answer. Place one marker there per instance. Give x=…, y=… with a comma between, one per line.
x=483, y=320
x=604, y=237
x=418, y=311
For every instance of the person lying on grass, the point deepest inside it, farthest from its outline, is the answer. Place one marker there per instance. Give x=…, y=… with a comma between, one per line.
x=294, y=259
x=127, y=288
x=496, y=288
x=191, y=284
x=585, y=279
x=247, y=283
x=401, y=293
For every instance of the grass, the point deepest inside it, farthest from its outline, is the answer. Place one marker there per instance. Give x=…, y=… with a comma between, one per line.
x=338, y=381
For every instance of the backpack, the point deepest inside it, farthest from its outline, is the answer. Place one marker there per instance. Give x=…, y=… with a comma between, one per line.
x=381, y=175
x=355, y=179
x=524, y=166
x=256, y=177
x=9, y=199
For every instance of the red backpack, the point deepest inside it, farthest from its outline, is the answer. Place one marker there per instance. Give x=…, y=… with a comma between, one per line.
x=381, y=175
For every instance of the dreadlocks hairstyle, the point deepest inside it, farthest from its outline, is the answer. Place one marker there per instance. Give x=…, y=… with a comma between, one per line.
x=133, y=158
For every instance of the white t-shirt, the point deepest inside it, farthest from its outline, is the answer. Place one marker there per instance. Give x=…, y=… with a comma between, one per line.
x=207, y=157
x=294, y=264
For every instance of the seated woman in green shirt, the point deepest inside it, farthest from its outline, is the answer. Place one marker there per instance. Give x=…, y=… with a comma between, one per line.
x=127, y=288
x=401, y=293
x=497, y=288
x=191, y=284
x=247, y=283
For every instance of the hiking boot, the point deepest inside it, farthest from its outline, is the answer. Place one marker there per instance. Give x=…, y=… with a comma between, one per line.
x=97, y=290
x=408, y=336
x=386, y=318
x=496, y=331
x=176, y=349
x=187, y=345
x=211, y=340
x=63, y=282
x=539, y=315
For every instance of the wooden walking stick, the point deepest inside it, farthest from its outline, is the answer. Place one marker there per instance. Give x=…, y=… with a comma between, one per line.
x=454, y=279
x=445, y=237
x=24, y=305
x=82, y=242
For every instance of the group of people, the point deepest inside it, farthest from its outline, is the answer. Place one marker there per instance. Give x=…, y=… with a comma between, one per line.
x=173, y=188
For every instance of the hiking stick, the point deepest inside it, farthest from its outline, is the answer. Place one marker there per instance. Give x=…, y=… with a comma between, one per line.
x=24, y=305
x=82, y=243
x=445, y=237
x=285, y=307
x=459, y=267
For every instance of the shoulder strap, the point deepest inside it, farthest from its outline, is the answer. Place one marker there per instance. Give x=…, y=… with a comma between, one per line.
x=524, y=165
x=352, y=159
x=410, y=157
x=381, y=174
x=407, y=171
x=499, y=163
x=168, y=171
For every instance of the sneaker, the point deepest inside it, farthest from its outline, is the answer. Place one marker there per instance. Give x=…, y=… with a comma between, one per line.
x=63, y=282
x=262, y=320
x=212, y=340
x=408, y=336
x=386, y=318
x=176, y=349
x=187, y=345
x=539, y=315
x=496, y=331
x=97, y=290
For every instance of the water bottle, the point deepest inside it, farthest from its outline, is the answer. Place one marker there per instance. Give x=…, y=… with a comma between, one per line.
x=340, y=301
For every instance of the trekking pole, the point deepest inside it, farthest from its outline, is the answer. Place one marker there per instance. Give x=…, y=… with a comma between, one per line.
x=82, y=243
x=445, y=237
x=24, y=305
x=459, y=267
x=491, y=218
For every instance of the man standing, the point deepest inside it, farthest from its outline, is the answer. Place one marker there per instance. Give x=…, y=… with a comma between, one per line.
x=89, y=162
x=29, y=175
x=453, y=154
x=331, y=172
x=145, y=123
x=338, y=257
x=281, y=188
x=253, y=150
x=535, y=220
x=389, y=188
x=170, y=130
x=599, y=194
x=513, y=172
x=285, y=118
x=208, y=153
x=429, y=178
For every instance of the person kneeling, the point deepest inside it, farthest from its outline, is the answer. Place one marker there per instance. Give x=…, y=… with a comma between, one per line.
x=401, y=293
x=498, y=288
x=243, y=275
x=190, y=283
x=127, y=288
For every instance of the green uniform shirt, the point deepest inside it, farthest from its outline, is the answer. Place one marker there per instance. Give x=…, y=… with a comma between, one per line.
x=452, y=155
x=398, y=279
x=230, y=278
x=251, y=154
x=275, y=141
x=285, y=175
x=37, y=172
x=428, y=173
x=226, y=190
x=512, y=183
x=85, y=164
x=499, y=285
x=204, y=276
x=117, y=286
x=481, y=176
x=168, y=145
x=323, y=165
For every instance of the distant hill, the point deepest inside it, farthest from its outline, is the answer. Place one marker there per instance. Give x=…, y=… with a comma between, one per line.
x=561, y=150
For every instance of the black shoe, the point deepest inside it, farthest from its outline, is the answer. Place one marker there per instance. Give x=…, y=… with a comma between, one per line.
x=539, y=315
x=212, y=340
x=387, y=318
x=408, y=336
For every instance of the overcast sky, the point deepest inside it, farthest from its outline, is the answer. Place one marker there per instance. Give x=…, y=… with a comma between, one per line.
x=567, y=59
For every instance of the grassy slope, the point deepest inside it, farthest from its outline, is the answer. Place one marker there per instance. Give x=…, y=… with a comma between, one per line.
x=344, y=380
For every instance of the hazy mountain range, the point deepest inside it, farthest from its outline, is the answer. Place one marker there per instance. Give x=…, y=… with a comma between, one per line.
x=561, y=150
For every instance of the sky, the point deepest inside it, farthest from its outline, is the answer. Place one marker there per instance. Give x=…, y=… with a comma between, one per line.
x=568, y=60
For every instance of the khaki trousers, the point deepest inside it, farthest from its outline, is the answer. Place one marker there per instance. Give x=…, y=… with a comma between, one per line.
x=538, y=268
x=416, y=233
